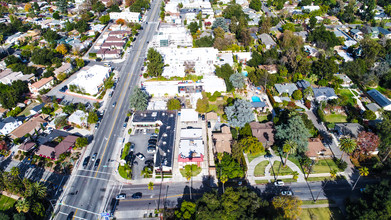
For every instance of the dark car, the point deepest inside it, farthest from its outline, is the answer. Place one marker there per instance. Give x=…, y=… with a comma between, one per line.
x=86, y=160
x=67, y=128
x=70, y=216
x=203, y=117
x=209, y=124
x=137, y=195
x=152, y=141
x=97, y=162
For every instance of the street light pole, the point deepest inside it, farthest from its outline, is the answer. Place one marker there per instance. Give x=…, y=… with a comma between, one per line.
x=160, y=192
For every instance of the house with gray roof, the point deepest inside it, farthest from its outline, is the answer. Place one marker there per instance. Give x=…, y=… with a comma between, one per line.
x=357, y=34
x=267, y=40
x=286, y=87
x=347, y=82
x=380, y=99
x=324, y=94
x=303, y=84
x=348, y=129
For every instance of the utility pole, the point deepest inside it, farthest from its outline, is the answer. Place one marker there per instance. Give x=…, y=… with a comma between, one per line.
x=160, y=192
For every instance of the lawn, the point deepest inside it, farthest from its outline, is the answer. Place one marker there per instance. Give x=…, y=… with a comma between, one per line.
x=295, y=161
x=262, y=118
x=6, y=203
x=251, y=157
x=345, y=92
x=320, y=201
x=324, y=166
x=194, y=172
x=125, y=151
x=26, y=111
x=261, y=181
x=125, y=172
x=260, y=168
x=321, y=213
x=281, y=171
x=316, y=179
x=334, y=118
x=214, y=106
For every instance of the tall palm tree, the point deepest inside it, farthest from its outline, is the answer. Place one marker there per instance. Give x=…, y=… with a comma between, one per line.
x=347, y=145
x=223, y=179
x=146, y=172
x=150, y=185
x=39, y=190
x=15, y=171
x=363, y=172
x=220, y=156
x=22, y=206
x=289, y=147
x=333, y=173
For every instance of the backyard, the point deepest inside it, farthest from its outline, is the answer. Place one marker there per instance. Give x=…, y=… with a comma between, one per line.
x=259, y=169
x=6, y=203
x=334, y=118
x=281, y=171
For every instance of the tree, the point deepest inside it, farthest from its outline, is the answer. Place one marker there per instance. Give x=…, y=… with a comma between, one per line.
x=81, y=142
x=288, y=207
x=202, y=105
x=225, y=72
x=51, y=36
x=237, y=80
x=297, y=95
x=56, y=15
x=92, y=117
x=138, y=100
x=223, y=180
x=367, y=141
x=239, y=113
x=146, y=172
x=155, y=63
x=150, y=185
x=39, y=190
x=22, y=206
x=4, y=216
x=62, y=49
x=206, y=41
x=363, y=172
x=294, y=130
x=193, y=27
x=173, y=104
x=186, y=211
x=79, y=62
x=220, y=22
x=289, y=147
x=105, y=19
x=98, y=7
x=62, y=6
x=38, y=209
x=256, y=5
x=347, y=145
x=19, y=216
x=308, y=92
x=233, y=10
x=27, y=7
x=81, y=26
x=384, y=132
x=369, y=114
x=120, y=21
x=313, y=21
x=323, y=38
x=251, y=145
x=229, y=167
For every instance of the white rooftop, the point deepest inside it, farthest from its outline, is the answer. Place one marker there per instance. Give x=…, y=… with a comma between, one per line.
x=91, y=79
x=189, y=115
x=191, y=148
x=191, y=133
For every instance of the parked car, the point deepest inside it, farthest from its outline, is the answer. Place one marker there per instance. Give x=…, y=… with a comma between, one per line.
x=140, y=156
x=70, y=216
x=132, y=147
x=151, y=150
x=67, y=128
x=137, y=195
x=94, y=156
x=209, y=126
x=121, y=196
x=125, y=124
x=96, y=125
x=115, y=103
x=97, y=162
x=152, y=141
x=286, y=193
x=279, y=183
x=86, y=160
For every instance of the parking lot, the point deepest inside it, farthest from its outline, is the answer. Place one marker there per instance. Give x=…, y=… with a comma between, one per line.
x=140, y=140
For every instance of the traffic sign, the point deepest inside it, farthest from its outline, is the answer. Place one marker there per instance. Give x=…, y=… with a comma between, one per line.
x=105, y=214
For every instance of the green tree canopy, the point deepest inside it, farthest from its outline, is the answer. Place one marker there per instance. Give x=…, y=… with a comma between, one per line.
x=237, y=80
x=173, y=104
x=155, y=63
x=229, y=167
x=251, y=145
x=256, y=5
x=81, y=142
x=239, y=113
x=139, y=100
x=294, y=130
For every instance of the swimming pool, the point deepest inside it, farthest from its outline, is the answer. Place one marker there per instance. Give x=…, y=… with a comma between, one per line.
x=255, y=99
x=245, y=73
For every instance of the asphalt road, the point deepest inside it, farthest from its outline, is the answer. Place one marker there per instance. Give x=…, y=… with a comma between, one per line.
x=85, y=193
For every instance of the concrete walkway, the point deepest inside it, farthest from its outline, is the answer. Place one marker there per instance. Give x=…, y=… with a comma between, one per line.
x=318, y=206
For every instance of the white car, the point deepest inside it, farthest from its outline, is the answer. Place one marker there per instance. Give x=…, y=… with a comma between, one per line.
x=151, y=150
x=140, y=156
x=279, y=183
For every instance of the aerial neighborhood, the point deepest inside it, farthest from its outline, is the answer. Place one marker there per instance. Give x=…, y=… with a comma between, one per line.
x=191, y=109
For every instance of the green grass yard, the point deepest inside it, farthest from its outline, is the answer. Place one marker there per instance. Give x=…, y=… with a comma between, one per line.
x=324, y=166
x=6, y=203
x=261, y=181
x=281, y=171
x=251, y=157
x=125, y=172
x=193, y=172
x=321, y=213
x=259, y=169
x=334, y=118
x=26, y=111
x=320, y=201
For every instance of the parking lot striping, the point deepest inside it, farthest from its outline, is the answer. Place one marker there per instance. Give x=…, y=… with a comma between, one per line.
x=63, y=213
x=95, y=171
x=92, y=177
x=127, y=85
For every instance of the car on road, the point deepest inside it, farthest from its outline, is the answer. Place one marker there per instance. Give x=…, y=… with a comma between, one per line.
x=209, y=124
x=148, y=42
x=70, y=216
x=132, y=147
x=86, y=160
x=286, y=193
x=96, y=125
x=153, y=135
x=137, y=195
x=94, y=156
x=115, y=103
x=64, y=89
x=97, y=162
x=121, y=196
x=125, y=124
x=140, y=156
x=151, y=150
x=279, y=183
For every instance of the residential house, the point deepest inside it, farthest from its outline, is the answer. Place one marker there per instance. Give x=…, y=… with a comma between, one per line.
x=357, y=34
x=324, y=94
x=109, y=54
x=285, y=88
x=27, y=146
x=119, y=34
x=267, y=40
x=53, y=152
x=303, y=84
x=37, y=109
x=8, y=125
x=380, y=99
x=348, y=129
x=211, y=116
x=334, y=109
x=7, y=76
x=386, y=33
x=44, y=83
x=375, y=108
x=264, y=132
x=347, y=82
x=64, y=68
x=29, y=127
x=302, y=34
x=222, y=140
x=78, y=118
x=272, y=69
x=191, y=149
x=310, y=8
x=317, y=150
x=127, y=16
x=113, y=39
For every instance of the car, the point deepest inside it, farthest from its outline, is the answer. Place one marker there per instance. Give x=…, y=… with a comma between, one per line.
x=148, y=42
x=70, y=216
x=137, y=195
x=153, y=138
x=152, y=141
x=97, y=163
x=67, y=128
x=132, y=147
x=154, y=135
x=279, y=183
x=286, y=193
x=125, y=124
x=151, y=150
x=121, y=196
x=203, y=117
x=146, y=22
x=86, y=160
x=149, y=162
x=94, y=156
x=140, y=156
x=111, y=94
x=96, y=125
x=209, y=126
x=115, y=103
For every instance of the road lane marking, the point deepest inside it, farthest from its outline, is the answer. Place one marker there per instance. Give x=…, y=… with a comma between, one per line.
x=63, y=213
x=83, y=210
x=74, y=215
x=172, y=196
x=125, y=86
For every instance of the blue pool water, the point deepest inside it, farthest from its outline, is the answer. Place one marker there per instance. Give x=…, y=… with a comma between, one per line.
x=255, y=99
x=245, y=73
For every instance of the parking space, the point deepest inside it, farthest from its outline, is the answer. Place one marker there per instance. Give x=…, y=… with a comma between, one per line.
x=140, y=140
